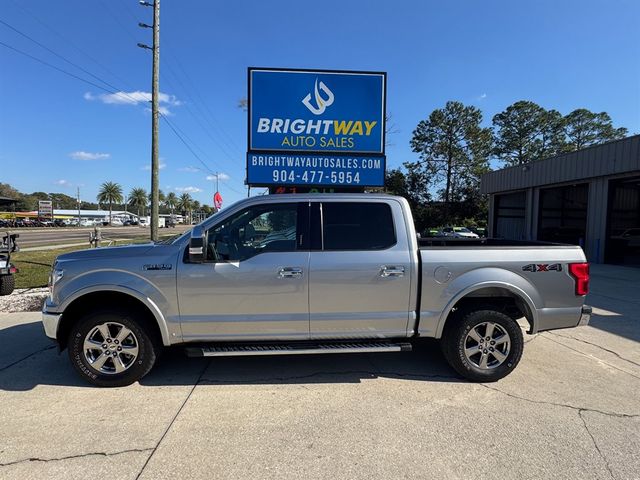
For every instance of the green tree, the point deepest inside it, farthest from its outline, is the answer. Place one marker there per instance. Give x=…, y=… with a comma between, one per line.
x=161, y=197
x=453, y=150
x=584, y=128
x=138, y=198
x=517, y=130
x=184, y=203
x=110, y=192
x=525, y=132
x=170, y=201
x=552, y=139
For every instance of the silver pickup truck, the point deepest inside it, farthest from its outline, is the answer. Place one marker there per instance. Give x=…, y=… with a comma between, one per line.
x=310, y=274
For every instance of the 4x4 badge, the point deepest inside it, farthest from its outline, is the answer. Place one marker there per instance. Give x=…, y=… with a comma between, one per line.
x=542, y=267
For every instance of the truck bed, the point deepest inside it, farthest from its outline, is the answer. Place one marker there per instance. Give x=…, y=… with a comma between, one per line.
x=484, y=242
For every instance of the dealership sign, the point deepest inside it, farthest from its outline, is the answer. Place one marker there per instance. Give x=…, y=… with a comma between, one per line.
x=45, y=208
x=316, y=127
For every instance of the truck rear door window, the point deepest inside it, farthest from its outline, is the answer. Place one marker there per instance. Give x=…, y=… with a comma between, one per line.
x=357, y=226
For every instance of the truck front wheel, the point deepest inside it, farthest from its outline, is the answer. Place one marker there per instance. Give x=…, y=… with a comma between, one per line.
x=483, y=346
x=112, y=348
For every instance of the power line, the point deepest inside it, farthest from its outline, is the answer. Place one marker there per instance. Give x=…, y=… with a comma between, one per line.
x=55, y=68
x=57, y=54
x=231, y=143
x=113, y=89
x=182, y=139
x=199, y=122
x=65, y=39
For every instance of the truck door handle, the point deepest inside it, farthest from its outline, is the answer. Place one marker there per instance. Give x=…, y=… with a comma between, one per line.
x=391, y=271
x=290, y=272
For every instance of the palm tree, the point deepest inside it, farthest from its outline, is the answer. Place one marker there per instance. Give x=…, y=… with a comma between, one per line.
x=195, y=206
x=170, y=201
x=110, y=192
x=161, y=196
x=184, y=203
x=138, y=198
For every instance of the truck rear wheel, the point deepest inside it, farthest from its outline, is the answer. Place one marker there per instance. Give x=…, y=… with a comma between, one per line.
x=112, y=348
x=483, y=346
x=7, y=284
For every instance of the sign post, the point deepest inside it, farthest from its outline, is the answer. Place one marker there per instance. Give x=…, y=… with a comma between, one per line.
x=316, y=128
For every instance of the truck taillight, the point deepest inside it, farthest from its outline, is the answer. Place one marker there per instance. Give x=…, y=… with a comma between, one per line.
x=580, y=273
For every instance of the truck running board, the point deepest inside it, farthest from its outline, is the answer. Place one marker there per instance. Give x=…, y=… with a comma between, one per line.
x=231, y=350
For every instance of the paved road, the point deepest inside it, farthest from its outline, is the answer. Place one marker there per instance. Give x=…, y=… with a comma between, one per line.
x=48, y=236
x=570, y=410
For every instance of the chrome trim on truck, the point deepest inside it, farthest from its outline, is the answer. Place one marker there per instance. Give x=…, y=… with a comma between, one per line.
x=50, y=321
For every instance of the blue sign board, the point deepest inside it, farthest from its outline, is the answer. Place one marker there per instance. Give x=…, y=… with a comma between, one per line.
x=315, y=169
x=316, y=117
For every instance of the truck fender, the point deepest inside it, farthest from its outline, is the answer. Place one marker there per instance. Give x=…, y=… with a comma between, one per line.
x=472, y=281
x=144, y=299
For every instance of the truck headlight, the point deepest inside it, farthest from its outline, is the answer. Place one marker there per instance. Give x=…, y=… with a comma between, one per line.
x=54, y=277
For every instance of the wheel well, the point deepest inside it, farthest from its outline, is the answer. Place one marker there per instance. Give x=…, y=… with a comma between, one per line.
x=493, y=298
x=95, y=300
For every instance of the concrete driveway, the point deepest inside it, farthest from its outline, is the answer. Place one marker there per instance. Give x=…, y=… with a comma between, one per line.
x=570, y=410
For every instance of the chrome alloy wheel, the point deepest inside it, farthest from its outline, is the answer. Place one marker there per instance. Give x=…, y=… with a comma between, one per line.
x=110, y=348
x=487, y=345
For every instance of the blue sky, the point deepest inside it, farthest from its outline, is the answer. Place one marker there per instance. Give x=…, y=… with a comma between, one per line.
x=57, y=133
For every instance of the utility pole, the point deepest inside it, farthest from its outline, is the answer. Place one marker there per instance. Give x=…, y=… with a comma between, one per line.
x=155, y=85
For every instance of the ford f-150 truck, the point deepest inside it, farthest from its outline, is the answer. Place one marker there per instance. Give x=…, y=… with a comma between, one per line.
x=309, y=274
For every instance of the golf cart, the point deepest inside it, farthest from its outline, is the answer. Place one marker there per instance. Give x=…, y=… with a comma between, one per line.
x=7, y=247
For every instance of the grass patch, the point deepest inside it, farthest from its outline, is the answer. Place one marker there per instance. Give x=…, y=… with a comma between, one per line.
x=34, y=266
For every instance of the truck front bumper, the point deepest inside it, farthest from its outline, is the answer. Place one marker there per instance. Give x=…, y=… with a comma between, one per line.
x=50, y=321
x=585, y=317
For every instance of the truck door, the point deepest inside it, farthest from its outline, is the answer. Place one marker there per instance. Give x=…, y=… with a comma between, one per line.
x=254, y=284
x=360, y=278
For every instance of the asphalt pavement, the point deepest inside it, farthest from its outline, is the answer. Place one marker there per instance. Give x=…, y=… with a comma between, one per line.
x=570, y=410
x=44, y=237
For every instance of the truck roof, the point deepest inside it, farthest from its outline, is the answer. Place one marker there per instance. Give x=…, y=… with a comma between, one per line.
x=296, y=197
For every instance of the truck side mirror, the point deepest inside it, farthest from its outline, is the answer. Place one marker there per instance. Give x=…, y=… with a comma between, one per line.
x=197, y=245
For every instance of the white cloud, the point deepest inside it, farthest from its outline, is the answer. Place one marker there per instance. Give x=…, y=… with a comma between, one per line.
x=136, y=97
x=223, y=177
x=482, y=96
x=82, y=155
x=188, y=189
x=63, y=183
x=189, y=169
x=148, y=166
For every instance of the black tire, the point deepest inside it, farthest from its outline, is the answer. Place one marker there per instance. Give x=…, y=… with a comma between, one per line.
x=7, y=284
x=456, y=339
x=149, y=347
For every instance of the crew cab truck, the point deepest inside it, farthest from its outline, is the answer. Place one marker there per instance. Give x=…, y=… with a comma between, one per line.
x=308, y=274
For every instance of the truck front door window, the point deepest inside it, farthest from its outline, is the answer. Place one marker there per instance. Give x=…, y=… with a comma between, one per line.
x=259, y=229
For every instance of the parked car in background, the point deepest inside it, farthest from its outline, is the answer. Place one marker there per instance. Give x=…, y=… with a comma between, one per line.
x=87, y=222
x=480, y=231
x=431, y=232
x=459, y=232
x=631, y=237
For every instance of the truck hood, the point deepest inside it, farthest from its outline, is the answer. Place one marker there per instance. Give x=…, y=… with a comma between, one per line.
x=107, y=252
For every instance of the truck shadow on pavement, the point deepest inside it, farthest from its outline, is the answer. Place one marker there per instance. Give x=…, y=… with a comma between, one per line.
x=29, y=360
